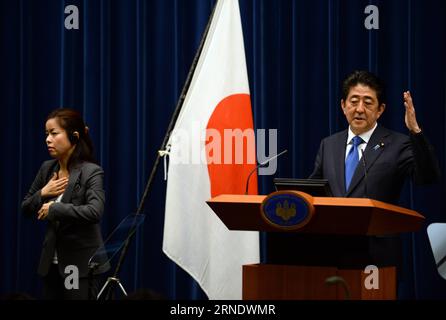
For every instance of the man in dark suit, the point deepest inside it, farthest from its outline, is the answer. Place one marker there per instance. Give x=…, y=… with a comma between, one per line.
x=368, y=160
x=386, y=156
x=343, y=159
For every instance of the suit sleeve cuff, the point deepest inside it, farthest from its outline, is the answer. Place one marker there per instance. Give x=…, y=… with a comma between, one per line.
x=52, y=211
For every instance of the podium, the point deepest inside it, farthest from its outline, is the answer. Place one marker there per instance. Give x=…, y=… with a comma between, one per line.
x=340, y=238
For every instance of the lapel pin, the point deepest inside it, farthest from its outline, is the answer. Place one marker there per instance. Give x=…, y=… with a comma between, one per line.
x=379, y=145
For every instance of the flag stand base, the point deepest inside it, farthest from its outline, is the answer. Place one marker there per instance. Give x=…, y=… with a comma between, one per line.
x=110, y=285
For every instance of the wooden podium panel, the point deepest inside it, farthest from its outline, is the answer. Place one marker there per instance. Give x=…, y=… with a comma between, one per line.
x=284, y=282
x=287, y=282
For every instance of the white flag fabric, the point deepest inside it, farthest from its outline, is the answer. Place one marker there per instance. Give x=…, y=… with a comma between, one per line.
x=203, y=163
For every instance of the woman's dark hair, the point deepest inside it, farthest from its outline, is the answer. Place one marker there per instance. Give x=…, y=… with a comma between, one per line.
x=367, y=79
x=71, y=121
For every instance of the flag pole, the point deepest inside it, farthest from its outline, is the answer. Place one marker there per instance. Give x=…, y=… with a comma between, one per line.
x=178, y=108
x=114, y=280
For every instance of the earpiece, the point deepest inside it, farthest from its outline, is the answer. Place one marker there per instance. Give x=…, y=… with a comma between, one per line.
x=74, y=137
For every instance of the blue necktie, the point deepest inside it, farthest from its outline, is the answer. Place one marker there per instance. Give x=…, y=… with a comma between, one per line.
x=352, y=160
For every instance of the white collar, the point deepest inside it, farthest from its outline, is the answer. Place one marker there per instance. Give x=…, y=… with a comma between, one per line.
x=365, y=136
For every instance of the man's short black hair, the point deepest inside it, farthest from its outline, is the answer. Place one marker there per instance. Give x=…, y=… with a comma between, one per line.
x=367, y=79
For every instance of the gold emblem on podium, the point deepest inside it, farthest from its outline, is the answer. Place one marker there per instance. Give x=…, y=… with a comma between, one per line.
x=285, y=211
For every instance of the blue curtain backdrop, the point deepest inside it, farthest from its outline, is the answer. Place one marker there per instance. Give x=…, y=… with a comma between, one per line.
x=125, y=68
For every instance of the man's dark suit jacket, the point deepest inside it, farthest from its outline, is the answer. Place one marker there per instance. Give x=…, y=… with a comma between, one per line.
x=73, y=224
x=390, y=158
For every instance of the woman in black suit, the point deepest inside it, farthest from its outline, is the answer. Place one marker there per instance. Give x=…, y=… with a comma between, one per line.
x=68, y=193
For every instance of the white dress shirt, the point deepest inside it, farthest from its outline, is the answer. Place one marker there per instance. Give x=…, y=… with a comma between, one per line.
x=364, y=136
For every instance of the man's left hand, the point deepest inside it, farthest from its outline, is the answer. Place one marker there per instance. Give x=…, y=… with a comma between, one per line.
x=410, y=118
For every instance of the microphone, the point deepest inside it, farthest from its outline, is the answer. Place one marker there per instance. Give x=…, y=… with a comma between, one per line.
x=261, y=165
x=336, y=280
x=364, y=166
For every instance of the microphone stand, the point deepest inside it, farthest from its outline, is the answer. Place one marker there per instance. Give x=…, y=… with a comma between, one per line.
x=339, y=280
x=114, y=280
x=261, y=165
